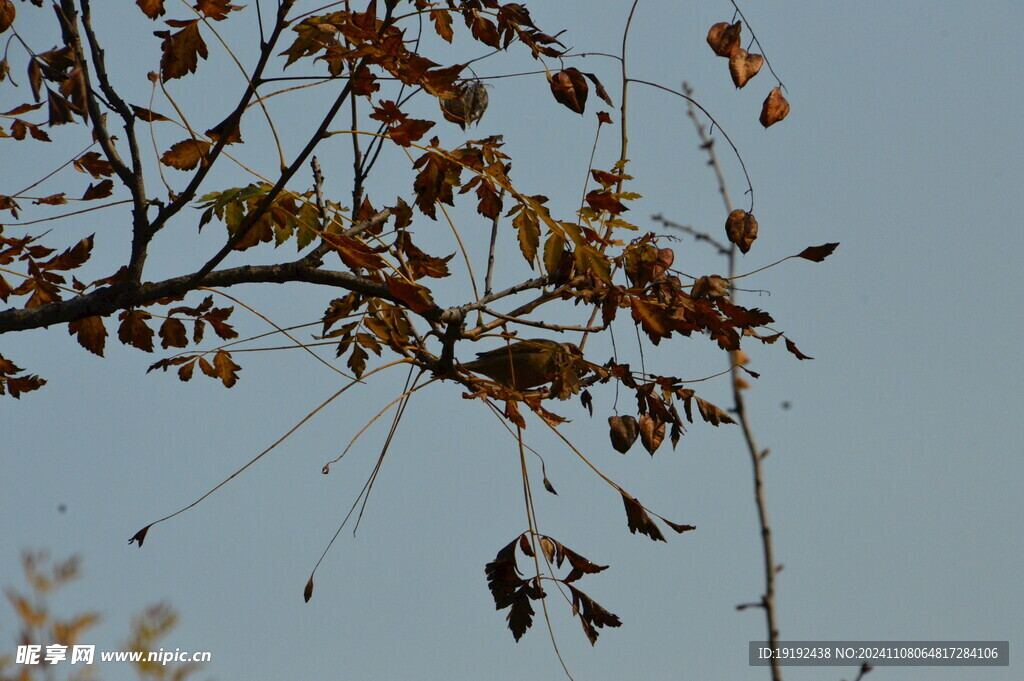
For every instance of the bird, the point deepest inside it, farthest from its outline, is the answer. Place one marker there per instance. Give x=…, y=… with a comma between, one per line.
x=527, y=363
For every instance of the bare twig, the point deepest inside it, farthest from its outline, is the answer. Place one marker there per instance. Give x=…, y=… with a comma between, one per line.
x=132, y=177
x=490, y=253
x=543, y=325
x=318, y=192
x=694, y=103
x=863, y=671
x=739, y=408
x=754, y=36
x=695, y=233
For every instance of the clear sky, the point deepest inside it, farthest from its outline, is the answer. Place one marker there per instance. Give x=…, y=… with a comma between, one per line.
x=894, y=479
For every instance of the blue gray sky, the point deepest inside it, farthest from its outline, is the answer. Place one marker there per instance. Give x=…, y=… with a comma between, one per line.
x=893, y=482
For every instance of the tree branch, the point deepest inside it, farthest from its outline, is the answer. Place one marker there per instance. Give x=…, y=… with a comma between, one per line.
x=126, y=295
x=266, y=52
x=740, y=407
x=133, y=178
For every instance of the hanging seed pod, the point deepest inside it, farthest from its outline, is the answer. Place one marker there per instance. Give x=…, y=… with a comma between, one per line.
x=468, y=105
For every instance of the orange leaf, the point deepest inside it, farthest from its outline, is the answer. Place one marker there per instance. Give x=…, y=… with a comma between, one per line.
x=72, y=258
x=353, y=252
x=133, y=330
x=606, y=179
x=225, y=369
x=90, y=333
x=24, y=108
x=409, y=131
x=652, y=318
x=415, y=296
x=680, y=528
x=94, y=164
x=147, y=115
x=59, y=110
x=712, y=413
x=227, y=130
x=483, y=29
x=181, y=50
x=775, y=108
x=216, y=317
x=186, y=154
x=216, y=9
x=442, y=24
x=172, y=334
x=151, y=8
x=652, y=433
x=604, y=201
x=52, y=200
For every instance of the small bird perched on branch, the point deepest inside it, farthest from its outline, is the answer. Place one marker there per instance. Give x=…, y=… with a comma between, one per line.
x=530, y=363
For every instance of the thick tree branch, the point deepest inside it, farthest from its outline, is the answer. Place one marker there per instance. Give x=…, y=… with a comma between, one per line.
x=125, y=295
x=132, y=178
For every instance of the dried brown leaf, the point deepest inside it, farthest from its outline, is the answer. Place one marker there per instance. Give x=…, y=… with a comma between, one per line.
x=186, y=154
x=652, y=432
x=791, y=346
x=181, y=50
x=818, y=253
x=638, y=519
x=134, y=331
x=90, y=333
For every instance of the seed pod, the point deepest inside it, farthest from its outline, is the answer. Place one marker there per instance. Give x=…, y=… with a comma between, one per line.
x=624, y=431
x=468, y=105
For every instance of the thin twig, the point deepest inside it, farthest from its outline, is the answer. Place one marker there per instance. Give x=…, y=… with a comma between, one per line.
x=739, y=408
x=754, y=36
x=694, y=103
x=708, y=145
x=543, y=325
x=490, y=253
x=695, y=233
x=318, y=192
